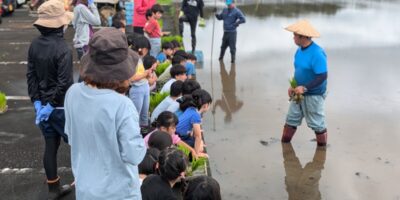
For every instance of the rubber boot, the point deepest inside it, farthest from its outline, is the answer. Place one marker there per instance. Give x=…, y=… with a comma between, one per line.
x=194, y=49
x=221, y=56
x=56, y=191
x=233, y=58
x=322, y=138
x=288, y=132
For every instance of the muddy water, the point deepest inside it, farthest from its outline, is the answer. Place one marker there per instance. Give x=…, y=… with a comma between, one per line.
x=362, y=41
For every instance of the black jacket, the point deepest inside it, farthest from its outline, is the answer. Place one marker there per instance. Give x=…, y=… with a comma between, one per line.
x=193, y=8
x=49, y=67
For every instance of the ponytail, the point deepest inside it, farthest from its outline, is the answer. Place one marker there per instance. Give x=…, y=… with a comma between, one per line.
x=172, y=162
x=197, y=99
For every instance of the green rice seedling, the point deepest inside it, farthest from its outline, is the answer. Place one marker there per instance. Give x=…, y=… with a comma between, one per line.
x=185, y=150
x=162, y=67
x=156, y=99
x=164, y=2
x=196, y=166
x=295, y=97
x=170, y=38
x=3, y=102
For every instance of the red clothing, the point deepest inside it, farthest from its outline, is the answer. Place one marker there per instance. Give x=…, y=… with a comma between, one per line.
x=139, y=11
x=152, y=28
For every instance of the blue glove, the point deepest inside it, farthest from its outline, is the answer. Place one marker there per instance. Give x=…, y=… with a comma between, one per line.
x=90, y=2
x=44, y=113
x=38, y=107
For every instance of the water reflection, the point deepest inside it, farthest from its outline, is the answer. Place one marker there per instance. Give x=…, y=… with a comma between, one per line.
x=303, y=183
x=228, y=102
x=291, y=10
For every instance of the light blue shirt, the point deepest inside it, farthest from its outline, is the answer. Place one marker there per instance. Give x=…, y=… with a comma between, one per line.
x=106, y=146
x=168, y=104
x=167, y=86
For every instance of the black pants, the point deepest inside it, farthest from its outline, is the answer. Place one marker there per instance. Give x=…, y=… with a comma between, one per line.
x=138, y=30
x=192, y=22
x=229, y=39
x=52, y=130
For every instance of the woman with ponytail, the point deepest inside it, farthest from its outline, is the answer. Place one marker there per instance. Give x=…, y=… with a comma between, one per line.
x=189, y=126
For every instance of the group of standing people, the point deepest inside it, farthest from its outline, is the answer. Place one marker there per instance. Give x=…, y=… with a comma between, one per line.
x=102, y=125
x=191, y=12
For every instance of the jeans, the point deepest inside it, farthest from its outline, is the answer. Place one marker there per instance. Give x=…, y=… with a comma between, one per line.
x=312, y=109
x=155, y=46
x=193, y=23
x=140, y=96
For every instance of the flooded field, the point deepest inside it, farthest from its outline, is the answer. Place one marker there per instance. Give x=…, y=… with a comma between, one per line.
x=362, y=42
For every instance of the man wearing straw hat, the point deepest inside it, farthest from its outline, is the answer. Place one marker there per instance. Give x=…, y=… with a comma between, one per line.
x=49, y=76
x=311, y=75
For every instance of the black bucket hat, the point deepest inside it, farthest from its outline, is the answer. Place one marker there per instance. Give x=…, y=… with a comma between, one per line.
x=109, y=57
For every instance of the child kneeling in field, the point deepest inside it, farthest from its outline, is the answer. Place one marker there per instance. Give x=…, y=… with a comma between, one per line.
x=167, y=122
x=189, y=126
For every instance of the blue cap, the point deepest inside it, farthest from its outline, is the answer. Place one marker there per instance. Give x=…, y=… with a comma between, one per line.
x=229, y=2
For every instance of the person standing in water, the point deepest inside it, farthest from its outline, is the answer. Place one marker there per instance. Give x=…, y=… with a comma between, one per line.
x=311, y=73
x=232, y=18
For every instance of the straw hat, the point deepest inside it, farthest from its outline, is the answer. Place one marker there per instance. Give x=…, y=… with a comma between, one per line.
x=109, y=57
x=53, y=15
x=303, y=27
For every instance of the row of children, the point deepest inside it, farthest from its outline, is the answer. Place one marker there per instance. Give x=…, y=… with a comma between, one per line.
x=180, y=86
x=163, y=172
x=181, y=126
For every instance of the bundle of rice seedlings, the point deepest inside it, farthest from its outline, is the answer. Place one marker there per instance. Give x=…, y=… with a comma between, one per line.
x=171, y=38
x=162, y=67
x=156, y=99
x=3, y=103
x=197, y=166
x=295, y=97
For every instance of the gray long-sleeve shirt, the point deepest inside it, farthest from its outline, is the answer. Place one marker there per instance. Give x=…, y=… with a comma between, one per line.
x=232, y=18
x=83, y=17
